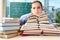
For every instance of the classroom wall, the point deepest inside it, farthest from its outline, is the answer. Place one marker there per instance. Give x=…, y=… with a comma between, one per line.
x=1, y=10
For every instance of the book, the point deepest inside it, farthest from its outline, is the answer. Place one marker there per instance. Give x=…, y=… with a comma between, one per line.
x=43, y=17
x=37, y=30
x=44, y=22
x=32, y=24
x=51, y=32
x=31, y=32
x=33, y=19
x=58, y=27
x=9, y=24
x=42, y=26
x=5, y=28
x=41, y=32
x=47, y=26
x=9, y=20
x=9, y=35
x=9, y=32
x=28, y=27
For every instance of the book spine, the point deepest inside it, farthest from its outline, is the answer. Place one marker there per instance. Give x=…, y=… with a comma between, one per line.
x=9, y=36
x=9, y=28
x=4, y=33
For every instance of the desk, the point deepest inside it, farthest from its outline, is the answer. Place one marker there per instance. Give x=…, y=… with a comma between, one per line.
x=34, y=38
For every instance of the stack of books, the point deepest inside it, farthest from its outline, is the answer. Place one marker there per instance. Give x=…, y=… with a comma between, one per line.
x=39, y=25
x=9, y=28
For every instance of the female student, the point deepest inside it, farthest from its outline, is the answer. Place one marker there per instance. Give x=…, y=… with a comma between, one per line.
x=36, y=9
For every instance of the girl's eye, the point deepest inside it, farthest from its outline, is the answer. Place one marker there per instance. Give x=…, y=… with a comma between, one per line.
x=34, y=8
x=38, y=7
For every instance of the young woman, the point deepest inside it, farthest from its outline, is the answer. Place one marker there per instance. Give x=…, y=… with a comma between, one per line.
x=36, y=9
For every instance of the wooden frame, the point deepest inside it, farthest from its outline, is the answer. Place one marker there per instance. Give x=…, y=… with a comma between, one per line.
x=4, y=8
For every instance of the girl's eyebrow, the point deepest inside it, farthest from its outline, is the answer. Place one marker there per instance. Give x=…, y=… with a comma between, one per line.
x=38, y=7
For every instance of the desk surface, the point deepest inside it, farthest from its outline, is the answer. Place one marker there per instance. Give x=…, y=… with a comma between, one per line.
x=34, y=38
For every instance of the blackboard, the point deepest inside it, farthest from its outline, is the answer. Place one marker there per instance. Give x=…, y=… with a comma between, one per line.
x=17, y=9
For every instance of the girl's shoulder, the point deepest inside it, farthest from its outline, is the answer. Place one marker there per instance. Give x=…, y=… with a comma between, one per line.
x=26, y=15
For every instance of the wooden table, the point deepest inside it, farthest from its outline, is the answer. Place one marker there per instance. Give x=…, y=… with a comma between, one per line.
x=34, y=38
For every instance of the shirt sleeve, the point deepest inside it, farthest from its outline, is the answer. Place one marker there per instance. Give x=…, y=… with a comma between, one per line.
x=24, y=18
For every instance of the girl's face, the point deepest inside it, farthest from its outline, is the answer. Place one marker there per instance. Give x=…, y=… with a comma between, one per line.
x=36, y=8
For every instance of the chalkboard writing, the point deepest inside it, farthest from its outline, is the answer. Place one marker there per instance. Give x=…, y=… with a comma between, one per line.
x=17, y=9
